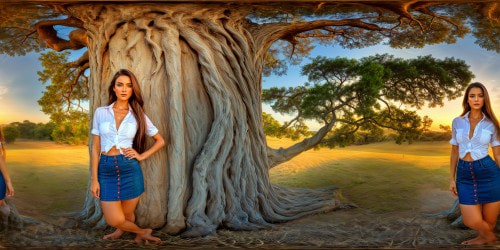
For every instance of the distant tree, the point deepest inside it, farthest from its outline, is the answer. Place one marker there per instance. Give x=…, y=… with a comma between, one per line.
x=44, y=131
x=11, y=133
x=443, y=135
x=71, y=128
x=348, y=96
x=26, y=129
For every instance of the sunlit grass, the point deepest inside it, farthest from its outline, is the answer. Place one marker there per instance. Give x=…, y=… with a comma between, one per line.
x=48, y=178
x=381, y=177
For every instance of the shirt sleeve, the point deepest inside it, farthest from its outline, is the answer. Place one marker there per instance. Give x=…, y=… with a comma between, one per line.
x=95, y=123
x=453, y=140
x=494, y=139
x=151, y=130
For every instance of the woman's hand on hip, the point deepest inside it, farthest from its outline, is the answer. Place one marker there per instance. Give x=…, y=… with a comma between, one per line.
x=130, y=153
x=95, y=189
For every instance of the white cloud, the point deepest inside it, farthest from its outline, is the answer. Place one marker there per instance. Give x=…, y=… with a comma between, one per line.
x=3, y=90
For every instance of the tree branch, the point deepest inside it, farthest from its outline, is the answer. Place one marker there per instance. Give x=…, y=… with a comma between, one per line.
x=491, y=10
x=267, y=34
x=84, y=59
x=77, y=38
x=287, y=124
x=277, y=156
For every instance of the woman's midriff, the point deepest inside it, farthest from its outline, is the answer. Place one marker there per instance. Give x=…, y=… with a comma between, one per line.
x=112, y=151
x=467, y=157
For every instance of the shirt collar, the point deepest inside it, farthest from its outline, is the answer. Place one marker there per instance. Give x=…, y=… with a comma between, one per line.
x=110, y=109
x=466, y=116
x=113, y=104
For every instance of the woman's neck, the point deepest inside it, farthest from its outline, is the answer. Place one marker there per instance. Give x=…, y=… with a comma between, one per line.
x=475, y=114
x=121, y=105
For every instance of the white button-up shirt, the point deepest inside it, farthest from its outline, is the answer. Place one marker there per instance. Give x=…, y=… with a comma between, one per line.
x=484, y=134
x=123, y=137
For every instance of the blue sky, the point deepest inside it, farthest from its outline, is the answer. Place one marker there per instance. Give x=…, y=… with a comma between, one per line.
x=20, y=88
x=483, y=63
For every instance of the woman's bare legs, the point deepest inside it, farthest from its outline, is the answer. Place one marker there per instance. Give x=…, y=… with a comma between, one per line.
x=128, y=207
x=480, y=218
x=115, y=217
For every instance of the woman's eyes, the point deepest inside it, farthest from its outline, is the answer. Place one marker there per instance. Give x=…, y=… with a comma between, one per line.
x=121, y=85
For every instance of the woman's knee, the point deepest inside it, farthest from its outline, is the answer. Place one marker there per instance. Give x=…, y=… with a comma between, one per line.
x=130, y=216
x=473, y=223
x=115, y=220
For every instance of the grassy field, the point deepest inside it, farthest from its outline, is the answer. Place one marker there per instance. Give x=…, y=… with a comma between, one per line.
x=48, y=178
x=382, y=177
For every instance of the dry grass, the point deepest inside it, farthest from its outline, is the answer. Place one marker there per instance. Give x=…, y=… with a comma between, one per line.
x=48, y=178
x=388, y=181
x=51, y=178
x=383, y=177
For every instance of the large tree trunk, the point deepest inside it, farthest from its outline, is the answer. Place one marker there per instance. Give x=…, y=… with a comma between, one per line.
x=200, y=73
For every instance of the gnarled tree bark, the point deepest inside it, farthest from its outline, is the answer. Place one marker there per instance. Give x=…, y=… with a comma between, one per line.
x=9, y=216
x=200, y=68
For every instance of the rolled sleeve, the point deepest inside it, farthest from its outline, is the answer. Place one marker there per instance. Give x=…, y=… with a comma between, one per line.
x=151, y=130
x=95, y=123
x=494, y=139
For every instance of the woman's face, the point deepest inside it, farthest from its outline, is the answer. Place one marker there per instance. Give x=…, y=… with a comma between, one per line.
x=123, y=88
x=476, y=98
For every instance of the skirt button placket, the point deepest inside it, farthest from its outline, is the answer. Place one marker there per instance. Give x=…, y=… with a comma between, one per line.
x=473, y=181
x=118, y=179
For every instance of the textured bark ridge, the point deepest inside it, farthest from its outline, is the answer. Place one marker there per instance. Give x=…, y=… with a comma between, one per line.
x=200, y=69
x=9, y=216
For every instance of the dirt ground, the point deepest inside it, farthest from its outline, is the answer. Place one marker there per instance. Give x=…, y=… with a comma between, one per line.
x=350, y=228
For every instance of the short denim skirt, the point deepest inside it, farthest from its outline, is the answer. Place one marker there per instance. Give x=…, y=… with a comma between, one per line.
x=119, y=178
x=478, y=182
x=3, y=188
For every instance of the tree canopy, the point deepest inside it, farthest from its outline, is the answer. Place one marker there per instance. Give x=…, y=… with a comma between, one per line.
x=37, y=25
x=370, y=94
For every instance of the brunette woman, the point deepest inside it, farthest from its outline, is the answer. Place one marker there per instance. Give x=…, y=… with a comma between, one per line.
x=119, y=144
x=474, y=175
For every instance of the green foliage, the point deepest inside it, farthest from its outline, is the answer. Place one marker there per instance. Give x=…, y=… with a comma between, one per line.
x=63, y=97
x=443, y=135
x=33, y=131
x=365, y=97
x=26, y=129
x=17, y=36
x=65, y=91
x=10, y=133
x=71, y=128
x=422, y=26
x=272, y=127
x=44, y=131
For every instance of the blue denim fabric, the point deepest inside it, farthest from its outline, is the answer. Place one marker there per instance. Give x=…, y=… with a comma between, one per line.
x=119, y=178
x=478, y=182
x=3, y=188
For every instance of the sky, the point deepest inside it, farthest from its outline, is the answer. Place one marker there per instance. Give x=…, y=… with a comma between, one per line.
x=484, y=64
x=20, y=88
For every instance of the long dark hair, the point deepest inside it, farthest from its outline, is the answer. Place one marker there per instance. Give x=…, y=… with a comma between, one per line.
x=486, y=109
x=2, y=142
x=136, y=103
